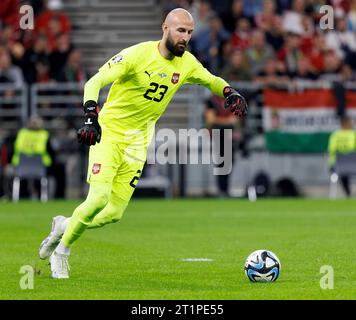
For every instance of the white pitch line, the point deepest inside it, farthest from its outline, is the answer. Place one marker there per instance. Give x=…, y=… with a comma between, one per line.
x=197, y=259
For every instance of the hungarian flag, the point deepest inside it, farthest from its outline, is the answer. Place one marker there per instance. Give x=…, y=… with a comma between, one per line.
x=301, y=121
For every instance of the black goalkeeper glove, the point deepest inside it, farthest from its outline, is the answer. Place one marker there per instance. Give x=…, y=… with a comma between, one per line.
x=90, y=132
x=235, y=102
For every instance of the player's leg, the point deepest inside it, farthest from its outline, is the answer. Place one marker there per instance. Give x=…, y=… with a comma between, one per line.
x=112, y=212
x=97, y=199
x=345, y=182
x=101, y=171
x=103, y=164
x=123, y=187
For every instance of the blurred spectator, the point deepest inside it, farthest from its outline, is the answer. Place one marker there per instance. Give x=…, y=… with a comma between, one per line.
x=28, y=38
x=342, y=41
x=237, y=67
x=34, y=55
x=290, y=52
x=282, y=6
x=37, y=5
x=208, y=44
x=252, y=7
x=232, y=16
x=313, y=9
x=259, y=52
x=351, y=16
x=58, y=58
x=332, y=67
x=265, y=19
x=220, y=6
x=52, y=8
x=31, y=141
x=167, y=6
x=10, y=13
x=240, y=39
x=8, y=72
x=272, y=74
x=73, y=71
x=201, y=11
x=10, y=39
x=9, y=35
x=292, y=19
x=36, y=140
x=307, y=37
x=218, y=118
x=52, y=22
x=275, y=33
x=342, y=141
x=317, y=53
x=304, y=70
x=53, y=32
x=42, y=71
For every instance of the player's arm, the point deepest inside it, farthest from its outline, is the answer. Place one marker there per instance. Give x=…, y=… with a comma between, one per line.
x=90, y=132
x=234, y=101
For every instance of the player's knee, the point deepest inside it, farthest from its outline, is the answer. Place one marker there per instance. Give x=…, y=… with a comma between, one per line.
x=101, y=200
x=111, y=216
x=97, y=202
x=116, y=212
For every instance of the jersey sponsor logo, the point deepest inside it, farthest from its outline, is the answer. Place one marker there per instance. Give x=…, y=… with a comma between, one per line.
x=162, y=75
x=175, y=78
x=96, y=168
x=117, y=58
x=149, y=74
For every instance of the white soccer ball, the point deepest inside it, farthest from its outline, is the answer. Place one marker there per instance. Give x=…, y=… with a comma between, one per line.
x=262, y=266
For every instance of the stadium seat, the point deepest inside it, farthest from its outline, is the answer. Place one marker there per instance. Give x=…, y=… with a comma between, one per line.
x=30, y=168
x=345, y=165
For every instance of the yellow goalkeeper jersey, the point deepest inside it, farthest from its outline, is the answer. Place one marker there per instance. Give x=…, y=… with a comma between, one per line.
x=143, y=84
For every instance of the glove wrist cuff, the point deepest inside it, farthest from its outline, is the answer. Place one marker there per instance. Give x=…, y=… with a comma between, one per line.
x=228, y=91
x=91, y=107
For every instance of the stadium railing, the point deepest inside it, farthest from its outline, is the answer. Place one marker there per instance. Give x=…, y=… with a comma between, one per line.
x=64, y=101
x=13, y=105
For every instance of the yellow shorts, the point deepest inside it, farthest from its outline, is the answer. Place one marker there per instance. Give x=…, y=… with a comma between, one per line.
x=109, y=164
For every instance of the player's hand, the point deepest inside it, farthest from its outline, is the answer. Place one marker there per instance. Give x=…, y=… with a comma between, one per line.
x=90, y=132
x=235, y=102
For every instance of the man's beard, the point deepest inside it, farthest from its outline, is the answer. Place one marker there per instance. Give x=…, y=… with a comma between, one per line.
x=175, y=49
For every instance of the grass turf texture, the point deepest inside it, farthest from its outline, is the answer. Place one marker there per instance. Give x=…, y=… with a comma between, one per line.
x=141, y=256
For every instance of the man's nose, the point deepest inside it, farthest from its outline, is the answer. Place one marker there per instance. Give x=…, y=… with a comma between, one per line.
x=186, y=37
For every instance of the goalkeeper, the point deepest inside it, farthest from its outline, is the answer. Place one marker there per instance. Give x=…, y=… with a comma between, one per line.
x=144, y=79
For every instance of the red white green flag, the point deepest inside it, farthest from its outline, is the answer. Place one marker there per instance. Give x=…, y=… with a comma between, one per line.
x=301, y=121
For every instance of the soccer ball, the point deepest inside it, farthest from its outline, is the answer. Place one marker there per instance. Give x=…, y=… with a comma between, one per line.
x=262, y=266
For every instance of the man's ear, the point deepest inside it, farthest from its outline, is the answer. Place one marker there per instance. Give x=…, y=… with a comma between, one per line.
x=164, y=27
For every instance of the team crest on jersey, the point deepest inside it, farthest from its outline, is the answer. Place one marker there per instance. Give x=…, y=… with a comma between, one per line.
x=96, y=168
x=175, y=78
x=117, y=58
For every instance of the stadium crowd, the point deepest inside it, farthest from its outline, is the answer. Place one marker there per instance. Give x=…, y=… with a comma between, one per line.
x=260, y=40
x=272, y=41
x=42, y=54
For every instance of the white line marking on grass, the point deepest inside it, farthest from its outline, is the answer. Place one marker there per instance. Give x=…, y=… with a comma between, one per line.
x=197, y=259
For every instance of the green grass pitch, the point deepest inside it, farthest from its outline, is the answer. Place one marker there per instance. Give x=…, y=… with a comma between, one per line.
x=141, y=256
